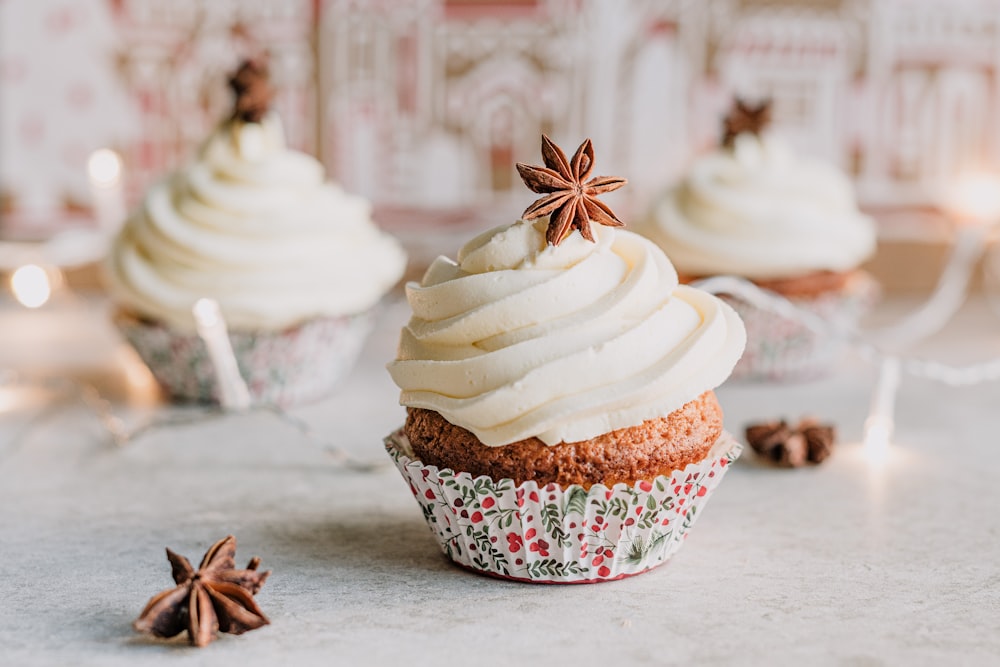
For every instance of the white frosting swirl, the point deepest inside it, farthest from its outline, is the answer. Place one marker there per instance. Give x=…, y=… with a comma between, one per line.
x=761, y=212
x=519, y=339
x=257, y=227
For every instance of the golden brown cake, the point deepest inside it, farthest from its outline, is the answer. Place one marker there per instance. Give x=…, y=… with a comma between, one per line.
x=654, y=447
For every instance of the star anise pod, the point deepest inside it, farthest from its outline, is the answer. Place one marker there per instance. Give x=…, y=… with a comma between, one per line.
x=743, y=117
x=808, y=442
x=252, y=89
x=217, y=597
x=571, y=200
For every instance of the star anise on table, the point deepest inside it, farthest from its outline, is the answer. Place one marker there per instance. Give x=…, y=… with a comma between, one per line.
x=743, y=117
x=252, y=89
x=571, y=200
x=808, y=442
x=216, y=597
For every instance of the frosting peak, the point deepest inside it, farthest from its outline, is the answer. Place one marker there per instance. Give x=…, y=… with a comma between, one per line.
x=758, y=210
x=257, y=227
x=519, y=338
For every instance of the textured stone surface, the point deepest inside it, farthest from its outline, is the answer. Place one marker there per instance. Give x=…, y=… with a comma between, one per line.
x=836, y=564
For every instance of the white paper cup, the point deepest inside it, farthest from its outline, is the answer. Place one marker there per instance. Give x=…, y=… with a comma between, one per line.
x=293, y=366
x=779, y=349
x=547, y=534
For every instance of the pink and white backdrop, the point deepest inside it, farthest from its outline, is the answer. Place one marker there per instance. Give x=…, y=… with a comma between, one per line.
x=424, y=105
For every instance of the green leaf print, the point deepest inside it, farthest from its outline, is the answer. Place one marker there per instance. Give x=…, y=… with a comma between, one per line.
x=576, y=501
x=552, y=522
x=550, y=567
x=618, y=507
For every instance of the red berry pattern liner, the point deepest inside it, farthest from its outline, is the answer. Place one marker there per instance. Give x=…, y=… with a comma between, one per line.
x=297, y=365
x=549, y=534
x=780, y=349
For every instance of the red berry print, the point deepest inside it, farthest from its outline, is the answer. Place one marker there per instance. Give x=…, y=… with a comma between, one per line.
x=530, y=533
x=604, y=571
x=646, y=486
x=488, y=502
x=702, y=491
x=429, y=494
x=476, y=517
x=514, y=542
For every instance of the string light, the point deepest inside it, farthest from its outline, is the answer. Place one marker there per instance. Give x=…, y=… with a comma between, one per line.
x=982, y=197
x=880, y=425
x=121, y=435
x=948, y=295
x=31, y=286
x=104, y=168
x=975, y=198
x=233, y=392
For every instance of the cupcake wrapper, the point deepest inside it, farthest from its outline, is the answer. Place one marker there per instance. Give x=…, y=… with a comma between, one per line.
x=293, y=366
x=547, y=534
x=780, y=349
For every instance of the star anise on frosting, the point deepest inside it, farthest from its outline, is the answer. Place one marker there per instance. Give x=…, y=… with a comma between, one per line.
x=215, y=598
x=808, y=442
x=252, y=89
x=571, y=200
x=743, y=117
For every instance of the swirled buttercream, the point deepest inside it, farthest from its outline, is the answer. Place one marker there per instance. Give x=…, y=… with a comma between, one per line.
x=257, y=227
x=518, y=338
x=761, y=212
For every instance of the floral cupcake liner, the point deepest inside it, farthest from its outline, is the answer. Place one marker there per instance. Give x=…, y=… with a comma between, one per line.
x=780, y=349
x=547, y=534
x=293, y=366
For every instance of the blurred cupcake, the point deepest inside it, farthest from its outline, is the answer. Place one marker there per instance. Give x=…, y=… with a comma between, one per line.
x=295, y=263
x=790, y=224
x=561, y=423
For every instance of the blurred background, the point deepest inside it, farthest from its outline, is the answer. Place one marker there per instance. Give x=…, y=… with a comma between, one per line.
x=424, y=105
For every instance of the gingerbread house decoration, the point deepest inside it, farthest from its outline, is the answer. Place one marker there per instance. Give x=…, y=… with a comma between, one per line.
x=174, y=58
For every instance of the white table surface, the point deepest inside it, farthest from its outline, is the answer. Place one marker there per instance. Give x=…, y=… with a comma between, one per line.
x=839, y=564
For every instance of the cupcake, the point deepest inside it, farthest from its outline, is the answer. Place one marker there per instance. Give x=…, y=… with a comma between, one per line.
x=754, y=209
x=561, y=422
x=294, y=262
